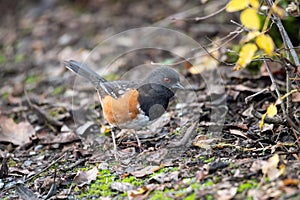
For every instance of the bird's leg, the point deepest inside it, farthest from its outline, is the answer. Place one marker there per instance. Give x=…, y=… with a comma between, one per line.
x=137, y=139
x=113, y=129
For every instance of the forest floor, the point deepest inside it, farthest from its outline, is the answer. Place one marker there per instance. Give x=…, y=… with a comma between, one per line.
x=55, y=143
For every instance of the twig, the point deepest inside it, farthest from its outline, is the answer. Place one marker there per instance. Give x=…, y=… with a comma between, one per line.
x=232, y=35
x=45, y=169
x=74, y=165
x=34, y=176
x=184, y=140
x=197, y=19
x=42, y=112
x=249, y=98
x=289, y=51
x=275, y=86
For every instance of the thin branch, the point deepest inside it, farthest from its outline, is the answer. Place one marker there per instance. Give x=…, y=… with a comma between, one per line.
x=290, y=51
x=231, y=36
x=197, y=19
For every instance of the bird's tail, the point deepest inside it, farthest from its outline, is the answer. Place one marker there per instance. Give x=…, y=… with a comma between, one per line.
x=84, y=71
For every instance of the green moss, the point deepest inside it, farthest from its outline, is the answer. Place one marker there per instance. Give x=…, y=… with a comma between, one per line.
x=111, y=77
x=208, y=183
x=233, y=55
x=58, y=90
x=11, y=162
x=56, y=112
x=209, y=160
x=100, y=187
x=249, y=198
x=2, y=58
x=177, y=131
x=191, y=196
x=19, y=58
x=5, y=96
x=133, y=181
x=173, y=169
x=31, y=79
x=209, y=197
x=247, y=185
x=159, y=195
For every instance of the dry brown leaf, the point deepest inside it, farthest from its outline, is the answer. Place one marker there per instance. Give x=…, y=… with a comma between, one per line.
x=145, y=171
x=203, y=142
x=85, y=177
x=237, y=132
x=296, y=97
x=17, y=134
x=64, y=137
x=271, y=168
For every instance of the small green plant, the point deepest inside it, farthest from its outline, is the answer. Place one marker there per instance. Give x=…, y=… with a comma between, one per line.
x=247, y=185
x=209, y=160
x=58, y=90
x=19, y=58
x=31, y=79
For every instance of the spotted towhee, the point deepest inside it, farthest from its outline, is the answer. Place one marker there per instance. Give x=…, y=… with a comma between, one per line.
x=130, y=104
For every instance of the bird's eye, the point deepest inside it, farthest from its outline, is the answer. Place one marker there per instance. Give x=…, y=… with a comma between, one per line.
x=167, y=80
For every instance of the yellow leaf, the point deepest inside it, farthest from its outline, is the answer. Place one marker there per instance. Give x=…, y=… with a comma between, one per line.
x=251, y=35
x=236, y=5
x=262, y=121
x=254, y=3
x=246, y=54
x=250, y=19
x=272, y=110
x=265, y=43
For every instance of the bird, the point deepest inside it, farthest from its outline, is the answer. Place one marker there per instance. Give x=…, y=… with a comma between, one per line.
x=130, y=104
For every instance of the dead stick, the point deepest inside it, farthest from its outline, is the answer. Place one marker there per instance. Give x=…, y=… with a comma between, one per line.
x=30, y=178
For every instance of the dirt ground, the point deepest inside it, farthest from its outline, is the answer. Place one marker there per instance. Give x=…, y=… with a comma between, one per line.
x=55, y=143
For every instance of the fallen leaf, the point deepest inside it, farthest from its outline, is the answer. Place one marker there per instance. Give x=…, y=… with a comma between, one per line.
x=262, y=121
x=227, y=193
x=17, y=134
x=25, y=193
x=296, y=97
x=85, y=177
x=120, y=186
x=237, y=132
x=272, y=110
x=141, y=193
x=146, y=171
x=61, y=138
x=271, y=168
x=165, y=177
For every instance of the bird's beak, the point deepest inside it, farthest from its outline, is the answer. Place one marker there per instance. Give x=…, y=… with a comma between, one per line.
x=178, y=85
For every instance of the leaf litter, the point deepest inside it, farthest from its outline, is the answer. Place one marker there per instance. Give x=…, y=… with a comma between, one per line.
x=40, y=145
